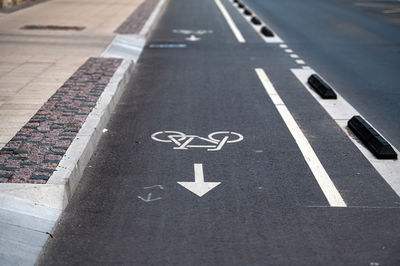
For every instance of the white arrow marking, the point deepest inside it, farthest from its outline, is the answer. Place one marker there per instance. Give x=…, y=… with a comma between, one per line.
x=199, y=187
x=193, y=38
x=149, y=199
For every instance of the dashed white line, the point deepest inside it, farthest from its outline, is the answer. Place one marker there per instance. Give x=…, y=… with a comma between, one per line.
x=230, y=22
x=300, y=62
x=288, y=51
x=283, y=46
x=327, y=186
x=294, y=56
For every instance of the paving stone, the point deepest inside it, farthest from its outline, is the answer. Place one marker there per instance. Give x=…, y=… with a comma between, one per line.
x=135, y=22
x=33, y=154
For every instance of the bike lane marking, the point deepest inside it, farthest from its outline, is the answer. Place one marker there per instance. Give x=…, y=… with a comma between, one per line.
x=230, y=22
x=324, y=181
x=182, y=141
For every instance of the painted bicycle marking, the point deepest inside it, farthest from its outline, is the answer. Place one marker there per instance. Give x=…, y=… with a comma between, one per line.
x=213, y=142
x=193, y=34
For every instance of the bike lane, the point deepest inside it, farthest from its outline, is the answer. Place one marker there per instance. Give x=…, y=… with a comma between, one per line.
x=130, y=207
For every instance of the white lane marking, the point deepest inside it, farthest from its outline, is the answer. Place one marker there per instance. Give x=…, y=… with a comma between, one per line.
x=283, y=46
x=167, y=45
x=341, y=111
x=199, y=187
x=358, y=207
x=257, y=28
x=300, y=62
x=306, y=67
x=288, y=51
x=327, y=186
x=230, y=22
x=294, y=56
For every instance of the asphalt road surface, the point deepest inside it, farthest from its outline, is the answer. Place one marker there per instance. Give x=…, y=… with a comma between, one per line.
x=265, y=175
x=353, y=44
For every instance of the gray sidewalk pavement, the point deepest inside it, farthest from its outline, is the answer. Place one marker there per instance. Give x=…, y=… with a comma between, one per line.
x=35, y=63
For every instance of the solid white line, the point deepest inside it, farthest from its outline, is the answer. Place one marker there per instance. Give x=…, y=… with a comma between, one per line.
x=327, y=186
x=358, y=207
x=230, y=22
x=341, y=111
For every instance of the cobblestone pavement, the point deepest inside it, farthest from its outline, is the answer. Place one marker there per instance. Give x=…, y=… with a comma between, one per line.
x=34, y=152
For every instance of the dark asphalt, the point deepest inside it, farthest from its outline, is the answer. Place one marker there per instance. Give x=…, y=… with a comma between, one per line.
x=268, y=209
x=355, y=45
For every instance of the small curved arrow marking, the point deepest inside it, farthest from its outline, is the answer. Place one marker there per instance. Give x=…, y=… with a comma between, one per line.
x=149, y=199
x=199, y=187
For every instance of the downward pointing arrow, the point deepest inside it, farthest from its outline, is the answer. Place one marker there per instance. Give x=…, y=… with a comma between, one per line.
x=199, y=187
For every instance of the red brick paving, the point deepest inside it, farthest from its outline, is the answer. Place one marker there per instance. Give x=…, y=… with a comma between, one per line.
x=135, y=22
x=33, y=154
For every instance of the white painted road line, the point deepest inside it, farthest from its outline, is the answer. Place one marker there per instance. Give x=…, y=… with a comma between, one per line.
x=327, y=186
x=300, y=62
x=341, y=111
x=230, y=22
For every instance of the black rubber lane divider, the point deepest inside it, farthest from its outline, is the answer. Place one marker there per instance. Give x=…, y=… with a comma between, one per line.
x=374, y=142
x=267, y=32
x=240, y=5
x=255, y=21
x=321, y=87
x=247, y=12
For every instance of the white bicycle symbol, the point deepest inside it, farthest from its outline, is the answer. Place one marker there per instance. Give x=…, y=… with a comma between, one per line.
x=214, y=142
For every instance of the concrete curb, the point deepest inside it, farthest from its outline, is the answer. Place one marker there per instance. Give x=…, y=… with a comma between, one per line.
x=130, y=46
x=61, y=185
x=29, y=212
